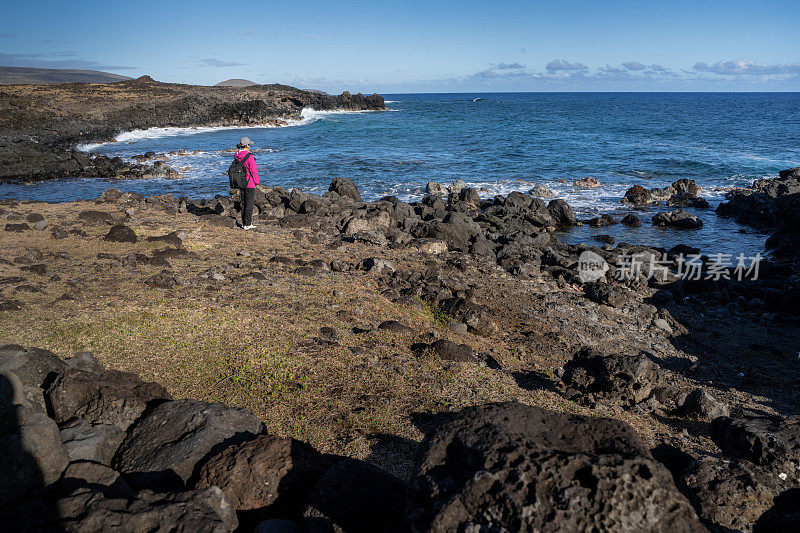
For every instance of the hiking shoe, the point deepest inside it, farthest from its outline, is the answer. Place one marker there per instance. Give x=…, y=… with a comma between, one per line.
x=251, y=226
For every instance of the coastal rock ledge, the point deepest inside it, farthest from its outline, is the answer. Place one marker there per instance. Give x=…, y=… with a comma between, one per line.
x=187, y=465
x=38, y=142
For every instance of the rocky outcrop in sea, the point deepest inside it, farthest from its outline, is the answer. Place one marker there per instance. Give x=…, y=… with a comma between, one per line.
x=771, y=205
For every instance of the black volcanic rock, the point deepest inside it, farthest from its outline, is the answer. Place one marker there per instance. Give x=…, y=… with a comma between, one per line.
x=204, y=510
x=513, y=467
x=678, y=219
x=766, y=441
x=345, y=187
x=624, y=379
x=686, y=187
x=166, y=446
x=561, y=212
x=631, y=221
x=637, y=195
x=121, y=233
x=109, y=397
x=731, y=494
x=265, y=476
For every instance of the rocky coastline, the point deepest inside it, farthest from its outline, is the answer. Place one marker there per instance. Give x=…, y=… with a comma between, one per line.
x=771, y=205
x=459, y=371
x=40, y=125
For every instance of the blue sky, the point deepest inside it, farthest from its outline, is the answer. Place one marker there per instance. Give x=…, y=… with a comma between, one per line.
x=420, y=46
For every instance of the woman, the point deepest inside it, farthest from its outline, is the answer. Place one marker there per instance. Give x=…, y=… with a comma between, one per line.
x=248, y=193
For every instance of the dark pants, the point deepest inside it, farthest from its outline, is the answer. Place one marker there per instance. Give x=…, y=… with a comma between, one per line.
x=247, y=197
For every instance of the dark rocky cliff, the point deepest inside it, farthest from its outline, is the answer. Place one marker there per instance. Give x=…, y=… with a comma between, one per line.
x=40, y=125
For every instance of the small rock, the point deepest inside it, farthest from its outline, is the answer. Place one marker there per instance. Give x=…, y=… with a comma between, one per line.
x=96, y=217
x=637, y=195
x=450, y=351
x=540, y=191
x=602, y=221
x=431, y=246
x=175, y=238
x=394, y=326
x=606, y=293
x=434, y=188
x=329, y=333
x=378, y=265
x=586, y=183
x=121, y=233
x=163, y=280
x=457, y=186
x=678, y=219
x=701, y=404
x=632, y=221
x=625, y=379
x=663, y=325
x=17, y=228
x=457, y=327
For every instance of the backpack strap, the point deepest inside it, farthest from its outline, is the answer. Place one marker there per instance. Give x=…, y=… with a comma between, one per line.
x=245, y=157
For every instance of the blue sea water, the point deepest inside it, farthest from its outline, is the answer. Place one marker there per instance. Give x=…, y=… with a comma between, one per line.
x=498, y=143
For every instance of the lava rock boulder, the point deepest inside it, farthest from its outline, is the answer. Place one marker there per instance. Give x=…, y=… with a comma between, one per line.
x=166, y=447
x=514, y=467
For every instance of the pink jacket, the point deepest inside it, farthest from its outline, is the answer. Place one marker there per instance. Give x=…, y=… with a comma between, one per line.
x=252, y=169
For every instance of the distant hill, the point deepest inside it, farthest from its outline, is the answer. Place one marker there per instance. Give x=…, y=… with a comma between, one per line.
x=26, y=75
x=235, y=82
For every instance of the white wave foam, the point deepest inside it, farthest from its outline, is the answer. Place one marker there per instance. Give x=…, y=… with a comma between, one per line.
x=307, y=116
x=157, y=133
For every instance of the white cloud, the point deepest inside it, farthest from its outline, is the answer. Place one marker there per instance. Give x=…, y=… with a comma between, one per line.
x=746, y=68
x=633, y=65
x=508, y=66
x=56, y=60
x=214, y=62
x=562, y=65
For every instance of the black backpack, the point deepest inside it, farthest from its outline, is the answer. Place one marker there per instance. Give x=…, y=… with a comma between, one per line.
x=237, y=173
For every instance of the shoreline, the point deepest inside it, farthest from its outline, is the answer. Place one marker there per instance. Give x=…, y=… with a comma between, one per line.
x=307, y=116
x=36, y=145
x=718, y=234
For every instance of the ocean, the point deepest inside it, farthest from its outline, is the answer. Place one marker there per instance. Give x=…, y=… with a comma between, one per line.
x=498, y=143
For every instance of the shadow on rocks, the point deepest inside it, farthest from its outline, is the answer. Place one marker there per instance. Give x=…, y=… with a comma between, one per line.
x=22, y=481
x=392, y=452
x=693, y=427
x=534, y=380
x=427, y=423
